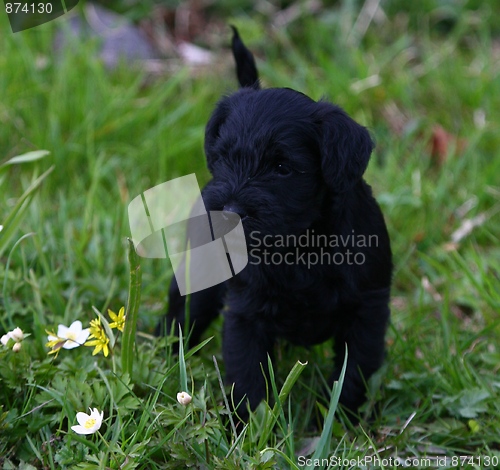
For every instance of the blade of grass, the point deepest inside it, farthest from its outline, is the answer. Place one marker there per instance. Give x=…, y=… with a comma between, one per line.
x=281, y=415
x=221, y=383
x=323, y=448
x=4, y=289
x=291, y=463
x=292, y=377
x=13, y=220
x=26, y=157
x=131, y=313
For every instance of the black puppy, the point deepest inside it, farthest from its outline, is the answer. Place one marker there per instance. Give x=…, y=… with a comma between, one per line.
x=319, y=253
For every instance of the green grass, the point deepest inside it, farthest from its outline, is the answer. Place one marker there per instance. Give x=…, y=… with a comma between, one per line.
x=111, y=135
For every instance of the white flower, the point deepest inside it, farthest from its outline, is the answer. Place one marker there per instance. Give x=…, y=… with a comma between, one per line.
x=74, y=335
x=1, y=228
x=17, y=347
x=184, y=398
x=16, y=335
x=88, y=424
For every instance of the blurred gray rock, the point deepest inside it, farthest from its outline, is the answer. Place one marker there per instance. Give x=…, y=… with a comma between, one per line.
x=119, y=38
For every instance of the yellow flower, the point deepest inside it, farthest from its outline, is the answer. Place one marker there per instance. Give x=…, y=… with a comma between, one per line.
x=100, y=344
x=118, y=320
x=96, y=329
x=98, y=338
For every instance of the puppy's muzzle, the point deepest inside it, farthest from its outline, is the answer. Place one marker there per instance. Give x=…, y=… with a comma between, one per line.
x=234, y=208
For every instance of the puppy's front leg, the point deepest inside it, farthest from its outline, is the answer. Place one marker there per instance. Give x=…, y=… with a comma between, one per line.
x=363, y=332
x=205, y=305
x=246, y=345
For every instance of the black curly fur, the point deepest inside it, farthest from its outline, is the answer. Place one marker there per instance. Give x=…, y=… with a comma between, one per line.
x=288, y=166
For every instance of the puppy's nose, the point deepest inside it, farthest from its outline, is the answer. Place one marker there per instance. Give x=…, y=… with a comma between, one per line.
x=235, y=208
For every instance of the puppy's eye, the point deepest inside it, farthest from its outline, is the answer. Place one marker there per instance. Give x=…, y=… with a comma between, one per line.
x=282, y=169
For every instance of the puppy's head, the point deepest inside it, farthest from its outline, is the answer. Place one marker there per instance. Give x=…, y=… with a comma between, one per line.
x=276, y=155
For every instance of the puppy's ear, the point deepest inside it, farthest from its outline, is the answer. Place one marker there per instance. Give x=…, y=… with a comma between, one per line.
x=246, y=70
x=345, y=148
x=212, y=131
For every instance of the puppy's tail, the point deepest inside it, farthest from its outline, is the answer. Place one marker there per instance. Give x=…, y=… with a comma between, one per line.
x=245, y=63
